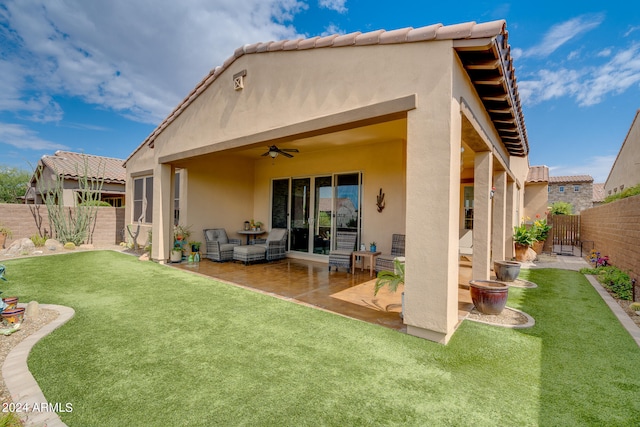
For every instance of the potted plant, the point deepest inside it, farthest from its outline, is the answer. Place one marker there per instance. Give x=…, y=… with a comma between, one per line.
x=176, y=252
x=523, y=238
x=258, y=225
x=4, y=233
x=373, y=246
x=540, y=231
x=195, y=246
x=392, y=279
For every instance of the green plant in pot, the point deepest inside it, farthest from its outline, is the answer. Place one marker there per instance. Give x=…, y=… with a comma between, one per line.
x=195, y=246
x=392, y=279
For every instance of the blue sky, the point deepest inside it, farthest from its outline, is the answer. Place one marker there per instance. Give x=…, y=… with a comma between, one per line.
x=97, y=77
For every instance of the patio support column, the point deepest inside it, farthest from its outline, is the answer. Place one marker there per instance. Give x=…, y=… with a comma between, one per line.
x=432, y=215
x=162, y=212
x=510, y=219
x=482, y=182
x=499, y=216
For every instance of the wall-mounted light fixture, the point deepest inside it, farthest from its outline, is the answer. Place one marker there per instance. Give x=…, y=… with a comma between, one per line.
x=492, y=192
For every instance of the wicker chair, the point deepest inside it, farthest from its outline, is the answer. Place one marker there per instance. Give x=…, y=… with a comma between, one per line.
x=272, y=248
x=385, y=261
x=345, y=245
x=219, y=246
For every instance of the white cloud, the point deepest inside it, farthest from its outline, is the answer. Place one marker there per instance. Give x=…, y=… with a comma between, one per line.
x=332, y=29
x=25, y=138
x=598, y=167
x=138, y=58
x=588, y=85
x=605, y=52
x=337, y=5
x=561, y=33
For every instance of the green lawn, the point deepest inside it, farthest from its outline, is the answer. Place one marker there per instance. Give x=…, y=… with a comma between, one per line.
x=154, y=346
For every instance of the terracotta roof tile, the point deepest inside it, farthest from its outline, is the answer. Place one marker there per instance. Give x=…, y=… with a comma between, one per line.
x=71, y=165
x=538, y=174
x=598, y=192
x=463, y=31
x=570, y=179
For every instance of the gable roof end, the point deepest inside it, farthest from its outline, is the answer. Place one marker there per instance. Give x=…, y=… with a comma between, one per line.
x=482, y=48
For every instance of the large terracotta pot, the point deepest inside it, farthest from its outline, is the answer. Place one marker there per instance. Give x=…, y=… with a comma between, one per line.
x=506, y=271
x=521, y=251
x=538, y=246
x=489, y=296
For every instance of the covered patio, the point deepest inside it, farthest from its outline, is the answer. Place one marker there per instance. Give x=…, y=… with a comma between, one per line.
x=310, y=283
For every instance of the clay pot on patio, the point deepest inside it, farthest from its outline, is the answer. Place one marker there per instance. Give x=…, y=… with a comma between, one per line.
x=521, y=251
x=12, y=317
x=10, y=303
x=489, y=296
x=506, y=271
x=538, y=246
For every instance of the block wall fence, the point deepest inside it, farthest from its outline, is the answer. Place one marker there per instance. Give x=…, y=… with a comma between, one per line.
x=614, y=229
x=20, y=219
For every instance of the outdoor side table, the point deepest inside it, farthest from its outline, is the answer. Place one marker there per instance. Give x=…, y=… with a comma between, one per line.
x=250, y=233
x=371, y=256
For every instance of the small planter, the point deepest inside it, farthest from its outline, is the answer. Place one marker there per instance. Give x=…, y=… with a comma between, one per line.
x=489, y=296
x=506, y=271
x=176, y=256
x=12, y=317
x=521, y=251
x=10, y=303
x=538, y=246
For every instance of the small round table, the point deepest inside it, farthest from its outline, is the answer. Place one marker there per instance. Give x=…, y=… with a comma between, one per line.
x=253, y=233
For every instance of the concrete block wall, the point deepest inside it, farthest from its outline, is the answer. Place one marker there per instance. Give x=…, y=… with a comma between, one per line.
x=21, y=220
x=614, y=229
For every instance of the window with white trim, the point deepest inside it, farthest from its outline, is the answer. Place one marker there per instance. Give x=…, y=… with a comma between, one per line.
x=143, y=199
x=576, y=188
x=561, y=189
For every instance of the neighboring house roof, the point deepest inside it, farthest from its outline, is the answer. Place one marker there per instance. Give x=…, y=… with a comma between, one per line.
x=71, y=166
x=482, y=48
x=570, y=179
x=538, y=174
x=598, y=193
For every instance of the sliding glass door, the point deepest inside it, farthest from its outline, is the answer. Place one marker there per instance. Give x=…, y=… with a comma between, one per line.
x=314, y=208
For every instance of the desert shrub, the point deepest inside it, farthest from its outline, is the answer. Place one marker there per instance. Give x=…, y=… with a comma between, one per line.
x=627, y=192
x=38, y=240
x=614, y=279
x=561, y=208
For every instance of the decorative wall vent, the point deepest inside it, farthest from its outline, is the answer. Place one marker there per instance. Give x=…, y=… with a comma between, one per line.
x=238, y=80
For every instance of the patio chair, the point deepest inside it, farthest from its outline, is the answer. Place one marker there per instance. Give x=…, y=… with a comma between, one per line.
x=385, y=261
x=272, y=248
x=345, y=245
x=219, y=246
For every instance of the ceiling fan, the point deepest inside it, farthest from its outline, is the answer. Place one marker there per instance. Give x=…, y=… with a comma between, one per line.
x=274, y=151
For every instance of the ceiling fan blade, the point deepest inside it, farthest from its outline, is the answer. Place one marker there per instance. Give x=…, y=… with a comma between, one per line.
x=290, y=150
x=285, y=154
x=265, y=154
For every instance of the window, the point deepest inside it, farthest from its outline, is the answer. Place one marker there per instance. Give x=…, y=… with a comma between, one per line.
x=143, y=199
x=576, y=188
x=548, y=189
x=561, y=189
x=468, y=208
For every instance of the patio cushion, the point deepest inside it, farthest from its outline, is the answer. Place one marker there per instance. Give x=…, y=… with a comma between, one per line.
x=276, y=234
x=218, y=235
x=249, y=253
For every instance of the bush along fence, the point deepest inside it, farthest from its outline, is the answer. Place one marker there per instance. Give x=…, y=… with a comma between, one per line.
x=613, y=231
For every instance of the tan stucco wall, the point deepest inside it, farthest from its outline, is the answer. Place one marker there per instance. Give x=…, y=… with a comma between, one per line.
x=625, y=171
x=536, y=200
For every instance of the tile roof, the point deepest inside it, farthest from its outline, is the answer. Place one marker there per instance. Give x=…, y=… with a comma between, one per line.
x=598, y=192
x=482, y=48
x=570, y=179
x=71, y=165
x=538, y=174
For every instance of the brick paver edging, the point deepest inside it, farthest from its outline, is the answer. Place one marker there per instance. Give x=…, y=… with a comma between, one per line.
x=24, y=389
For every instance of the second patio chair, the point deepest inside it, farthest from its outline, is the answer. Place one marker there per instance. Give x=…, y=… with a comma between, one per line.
x=272, y=248
x=219, y=246
x=341, y=255
x=385, y=261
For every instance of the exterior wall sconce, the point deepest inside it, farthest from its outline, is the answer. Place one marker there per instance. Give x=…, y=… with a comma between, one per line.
x=238, y=80
x=492, y=192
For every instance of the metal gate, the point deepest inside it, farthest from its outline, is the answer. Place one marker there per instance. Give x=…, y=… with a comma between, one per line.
x=565, y=232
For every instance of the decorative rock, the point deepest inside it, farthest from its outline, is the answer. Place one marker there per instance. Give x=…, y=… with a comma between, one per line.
x=144, y=257
x=87, y=246
x=53, y=245
x=33, y=310
x=21, y=247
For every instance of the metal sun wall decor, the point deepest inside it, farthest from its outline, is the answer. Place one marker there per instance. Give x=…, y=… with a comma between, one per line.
x=380, y=201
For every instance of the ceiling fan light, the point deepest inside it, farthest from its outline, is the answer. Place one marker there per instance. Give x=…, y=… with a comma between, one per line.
x=273, y=154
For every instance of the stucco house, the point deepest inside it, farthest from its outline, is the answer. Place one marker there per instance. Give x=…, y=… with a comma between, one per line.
x=625, y=171
x=70, y=167
x=536, y=198
x=431, y=116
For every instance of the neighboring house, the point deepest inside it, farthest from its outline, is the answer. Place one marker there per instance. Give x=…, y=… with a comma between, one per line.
x=576, y=190
x=598, y=194
x=625, y=171
x=71, y=167
x=536, y=199
x=431, y=117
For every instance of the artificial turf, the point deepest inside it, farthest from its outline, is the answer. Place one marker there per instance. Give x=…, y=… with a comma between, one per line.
x=154, y=346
